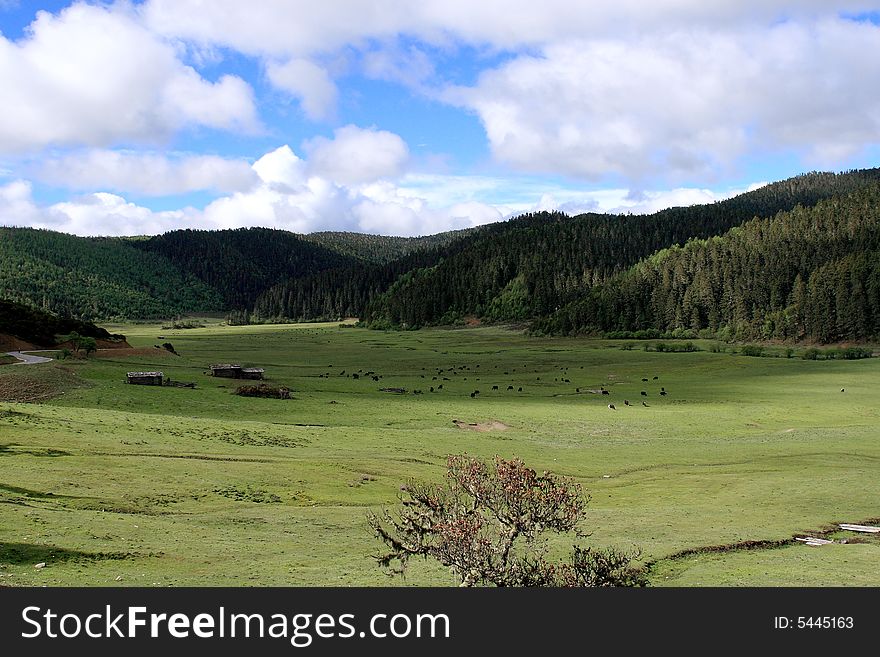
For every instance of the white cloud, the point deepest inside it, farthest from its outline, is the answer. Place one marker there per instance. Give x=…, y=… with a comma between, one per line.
x=151, y=174
x=93, y=214
x=410, y=66
x=93, y=75
x=308, y=82
x=281, y=168
x=683, y=103
x=357, y=155
x=290, y=197
x=282, y=28
x=293, y=196
x=17, y=207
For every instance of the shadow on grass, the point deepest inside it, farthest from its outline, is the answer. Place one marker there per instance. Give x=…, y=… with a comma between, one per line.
x=13, y=450
x=27, y=492
x=29, y=553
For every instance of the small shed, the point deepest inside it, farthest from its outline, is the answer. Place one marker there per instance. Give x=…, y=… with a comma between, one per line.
x=226, y=370
x=145, y=378
x=252, y=372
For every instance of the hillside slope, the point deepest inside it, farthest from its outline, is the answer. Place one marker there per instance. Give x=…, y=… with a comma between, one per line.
x=381, y=249
x=533, y=265
x=806, y=274
x=95, y=278
x=41, y=329
x=240, y=263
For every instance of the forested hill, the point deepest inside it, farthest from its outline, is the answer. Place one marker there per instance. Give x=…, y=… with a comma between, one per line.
x=381, y=249
x=43, y=329
x=343, y=291
x=240, y=263
x=531, y=266
x=95, y=278
x=546, y=267
x=809, y=273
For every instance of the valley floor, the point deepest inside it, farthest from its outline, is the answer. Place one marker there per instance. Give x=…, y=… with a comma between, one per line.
x=110, y=484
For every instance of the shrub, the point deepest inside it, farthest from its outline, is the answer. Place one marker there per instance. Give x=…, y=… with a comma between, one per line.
x=263, y=390
x=485, y=525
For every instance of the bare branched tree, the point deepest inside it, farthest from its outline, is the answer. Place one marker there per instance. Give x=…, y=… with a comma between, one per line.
x=486, y=524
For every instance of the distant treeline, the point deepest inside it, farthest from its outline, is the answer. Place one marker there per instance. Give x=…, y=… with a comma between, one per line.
x=96, y=278
x=793, y=260
x=184, y=271
x=806, y=274
x=532, y=266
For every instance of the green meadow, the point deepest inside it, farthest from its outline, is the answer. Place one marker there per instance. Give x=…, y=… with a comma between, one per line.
x=111, y=484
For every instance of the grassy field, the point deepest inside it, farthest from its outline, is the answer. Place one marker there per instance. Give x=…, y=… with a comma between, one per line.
x=112, y=484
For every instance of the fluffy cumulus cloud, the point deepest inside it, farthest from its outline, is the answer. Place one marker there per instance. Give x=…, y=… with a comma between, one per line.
x=94, y=75
x=669, y=95
x=357, y=155
x=303, y=196
x=92, y=214
x=670, y=89
x=282, y=191
x=150, y=174
x=308, y=82
x=281, y=27
x=684, y=103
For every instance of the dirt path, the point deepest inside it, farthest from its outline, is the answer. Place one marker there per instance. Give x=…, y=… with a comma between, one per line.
x=27, y=359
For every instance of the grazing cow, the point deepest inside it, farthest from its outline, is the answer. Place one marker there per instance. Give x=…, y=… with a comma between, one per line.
x=605, y=392
x=375, y=378
x=473, y=395
x=662, y=393
x=644, y=394
x=342, y=373
x=476, y=392
x=432, y=388
x=494, y=387
x=626, y=402
x=656, y=377
x=611, y=406
x=355, y=376
x=511, y=388
x=645, y=404
x=433, y=378
x=577, y=389
x=843, y=390
x=417, y=392
x=440, y=387
x=644, y=380
x=520, y=390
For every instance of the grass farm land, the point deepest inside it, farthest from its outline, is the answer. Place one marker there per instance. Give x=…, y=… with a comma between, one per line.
x=114, y=484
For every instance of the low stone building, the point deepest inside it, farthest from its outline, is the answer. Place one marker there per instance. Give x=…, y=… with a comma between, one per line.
x=226, y=370
x=231, y=371
x=145, y=378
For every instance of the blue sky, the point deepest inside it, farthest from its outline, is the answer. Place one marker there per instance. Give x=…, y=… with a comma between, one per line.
x=394, y=117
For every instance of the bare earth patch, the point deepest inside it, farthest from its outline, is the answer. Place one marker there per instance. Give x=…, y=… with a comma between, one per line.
x=132, y=351
x=492, y=425
x=10, y=343
x=37, y=383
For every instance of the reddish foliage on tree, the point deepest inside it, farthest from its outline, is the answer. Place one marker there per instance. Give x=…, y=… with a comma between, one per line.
x=485, y=524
